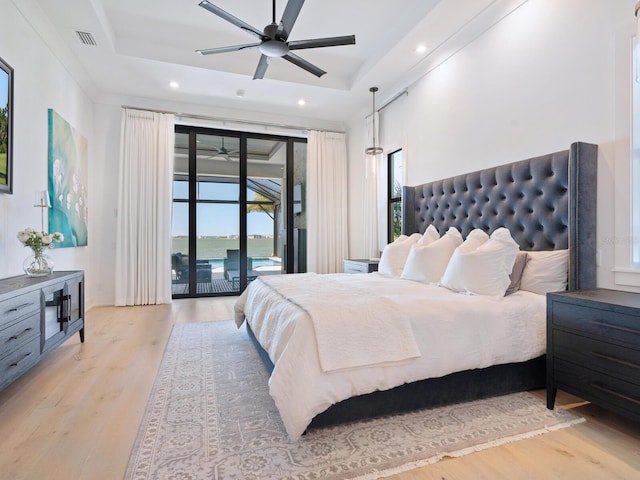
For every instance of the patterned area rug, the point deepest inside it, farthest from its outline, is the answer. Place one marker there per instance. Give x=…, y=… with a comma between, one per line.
x=210, y=416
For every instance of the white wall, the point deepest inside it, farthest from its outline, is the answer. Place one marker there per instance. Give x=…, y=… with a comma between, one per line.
x=41, y=82
x=106, y=149
x=549, y=74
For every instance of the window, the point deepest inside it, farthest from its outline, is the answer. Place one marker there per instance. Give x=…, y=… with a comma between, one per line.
x=394, y=194
x=627, y=183
x=635, y=159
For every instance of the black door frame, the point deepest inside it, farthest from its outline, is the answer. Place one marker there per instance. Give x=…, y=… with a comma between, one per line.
x=289, y=257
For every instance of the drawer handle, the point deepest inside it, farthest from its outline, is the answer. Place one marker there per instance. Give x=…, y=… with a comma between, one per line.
x=612, y=392
x=614, y=359
x=615, y=327
x=19, y=307
x=24, y=332
x=16, y=364
x=67, y=299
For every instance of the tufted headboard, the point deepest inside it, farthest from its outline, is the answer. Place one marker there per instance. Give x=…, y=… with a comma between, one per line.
x=546, y=202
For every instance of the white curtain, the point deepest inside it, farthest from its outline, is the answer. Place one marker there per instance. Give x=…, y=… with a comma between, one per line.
x=327, y=237
x=143, y=237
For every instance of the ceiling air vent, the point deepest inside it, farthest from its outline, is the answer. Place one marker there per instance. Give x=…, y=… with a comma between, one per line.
x=86, y=38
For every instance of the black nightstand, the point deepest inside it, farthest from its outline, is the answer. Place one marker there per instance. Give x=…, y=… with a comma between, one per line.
x=360, y=265
x=593, y=348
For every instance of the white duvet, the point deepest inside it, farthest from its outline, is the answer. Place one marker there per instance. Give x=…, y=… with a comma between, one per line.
x=452, y=332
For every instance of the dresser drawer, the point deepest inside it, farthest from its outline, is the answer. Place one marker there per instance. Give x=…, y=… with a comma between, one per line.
x=17, y=333
x=16, y=307
x=19, y=361
x=614, y=360
x=597, y=323
x=598, y=387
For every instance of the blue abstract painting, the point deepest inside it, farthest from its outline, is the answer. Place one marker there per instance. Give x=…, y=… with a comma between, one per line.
x=68, y=158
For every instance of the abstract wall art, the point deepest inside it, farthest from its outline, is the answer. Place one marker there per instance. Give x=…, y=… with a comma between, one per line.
x=68, y=160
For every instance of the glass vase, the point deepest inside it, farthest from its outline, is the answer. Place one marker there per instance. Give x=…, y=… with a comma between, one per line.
x=39, y=264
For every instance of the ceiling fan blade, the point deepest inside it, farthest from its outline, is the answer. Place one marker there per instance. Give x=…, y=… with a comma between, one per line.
x=233, y=48
x=262, y=68
x=302, y=63
x=289, y=17
x=322, y=42
x=231, y=19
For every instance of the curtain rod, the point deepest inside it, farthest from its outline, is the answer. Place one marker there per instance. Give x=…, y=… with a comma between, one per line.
x=390, y=101
x=393, y=99
x=231, y=120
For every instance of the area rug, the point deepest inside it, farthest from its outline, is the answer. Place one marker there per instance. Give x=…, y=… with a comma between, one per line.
x=210, y=416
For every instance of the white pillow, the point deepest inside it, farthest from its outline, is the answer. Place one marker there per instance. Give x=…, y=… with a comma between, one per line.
x=430, y=235
x=395, y=255
x=426, y=263
x=546, y=271
x=484, y=270
x=414, y=238
x=475, y=238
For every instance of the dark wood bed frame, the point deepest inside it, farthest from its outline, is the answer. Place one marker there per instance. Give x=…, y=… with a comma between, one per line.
x=548, y=203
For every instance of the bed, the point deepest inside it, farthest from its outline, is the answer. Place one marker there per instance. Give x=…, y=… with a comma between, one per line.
x=547, y=203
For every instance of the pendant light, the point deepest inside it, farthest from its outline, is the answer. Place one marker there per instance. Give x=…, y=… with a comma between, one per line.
x=375, y=150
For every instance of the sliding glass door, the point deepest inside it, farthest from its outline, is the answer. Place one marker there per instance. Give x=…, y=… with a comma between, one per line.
x=232, y=221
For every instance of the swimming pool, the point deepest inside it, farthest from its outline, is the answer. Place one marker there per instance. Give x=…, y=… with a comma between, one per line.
x=255, y=262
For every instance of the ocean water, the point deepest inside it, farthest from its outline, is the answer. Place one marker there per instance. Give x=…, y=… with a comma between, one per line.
x=215, y=249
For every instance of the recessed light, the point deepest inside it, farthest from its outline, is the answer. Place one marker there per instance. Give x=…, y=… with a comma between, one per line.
x=421, y=48
x=174, y=84
x=302, y=102
x=240, y=93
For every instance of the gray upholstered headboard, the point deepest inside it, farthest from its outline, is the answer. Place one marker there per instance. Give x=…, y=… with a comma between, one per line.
x=547, y=202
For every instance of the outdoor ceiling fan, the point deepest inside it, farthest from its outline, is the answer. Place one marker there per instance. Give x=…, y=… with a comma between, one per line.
x=274, y=39
x=225, y=153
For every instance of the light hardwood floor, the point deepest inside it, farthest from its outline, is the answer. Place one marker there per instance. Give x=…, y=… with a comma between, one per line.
x=76, y=414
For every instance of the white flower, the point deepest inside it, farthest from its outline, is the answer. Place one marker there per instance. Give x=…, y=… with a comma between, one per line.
x=32, y=238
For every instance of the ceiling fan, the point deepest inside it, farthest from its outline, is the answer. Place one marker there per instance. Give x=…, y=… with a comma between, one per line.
x=274, y=39
x=225, y=153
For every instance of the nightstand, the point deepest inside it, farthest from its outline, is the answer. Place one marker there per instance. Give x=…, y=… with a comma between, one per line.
x=593, y=348
x=360, y=265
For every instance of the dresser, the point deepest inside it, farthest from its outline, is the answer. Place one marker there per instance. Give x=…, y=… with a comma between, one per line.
x=360, y=266
x=36, y=315
x=593, y=348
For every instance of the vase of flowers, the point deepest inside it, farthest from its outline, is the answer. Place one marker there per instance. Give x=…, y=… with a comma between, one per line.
x=38, y=264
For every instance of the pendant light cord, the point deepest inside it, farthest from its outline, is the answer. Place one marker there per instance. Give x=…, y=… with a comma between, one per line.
x=375, y=150
x=373, y=91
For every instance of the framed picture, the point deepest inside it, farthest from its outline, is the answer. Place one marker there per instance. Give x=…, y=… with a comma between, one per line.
x=6, y=127
x=68, y=162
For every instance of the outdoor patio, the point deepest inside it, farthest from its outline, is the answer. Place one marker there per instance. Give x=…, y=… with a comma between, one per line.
x=219, y=284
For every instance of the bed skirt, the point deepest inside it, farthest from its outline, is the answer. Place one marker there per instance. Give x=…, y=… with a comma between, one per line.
x=433, y=392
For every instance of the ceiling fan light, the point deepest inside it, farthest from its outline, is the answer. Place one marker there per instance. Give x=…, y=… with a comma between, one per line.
x=274, y=48
x=274, y=38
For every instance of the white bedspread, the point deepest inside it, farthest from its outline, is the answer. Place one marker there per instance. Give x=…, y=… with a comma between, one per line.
x=353, y=327
x=453, y=332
